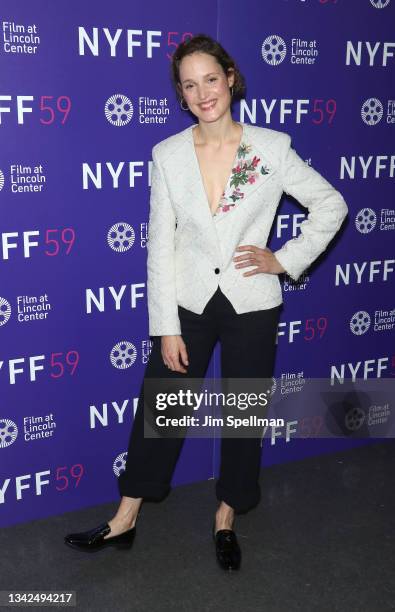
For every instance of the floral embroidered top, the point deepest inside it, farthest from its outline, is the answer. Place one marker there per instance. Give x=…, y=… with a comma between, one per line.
x=244, y=173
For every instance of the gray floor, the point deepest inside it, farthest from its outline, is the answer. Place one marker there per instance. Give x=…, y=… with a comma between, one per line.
x=322, y=539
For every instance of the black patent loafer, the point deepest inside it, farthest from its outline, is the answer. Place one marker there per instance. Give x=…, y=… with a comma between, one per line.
x=93, y=539
x=227, y=549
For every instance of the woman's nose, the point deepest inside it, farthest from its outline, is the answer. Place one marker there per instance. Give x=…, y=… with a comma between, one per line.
x=202, y=94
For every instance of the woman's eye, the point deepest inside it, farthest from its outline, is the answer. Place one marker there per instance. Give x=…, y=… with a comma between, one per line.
x=213, y=79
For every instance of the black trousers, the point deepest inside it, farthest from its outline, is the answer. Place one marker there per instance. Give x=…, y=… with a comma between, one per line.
x=248, y=346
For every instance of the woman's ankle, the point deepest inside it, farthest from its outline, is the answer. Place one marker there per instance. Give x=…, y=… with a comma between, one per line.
x=224, y=522
x=129, y=508
x=124, y=522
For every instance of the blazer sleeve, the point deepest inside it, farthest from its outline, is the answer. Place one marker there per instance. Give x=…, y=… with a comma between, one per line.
x=327, y=210
x=161, y=277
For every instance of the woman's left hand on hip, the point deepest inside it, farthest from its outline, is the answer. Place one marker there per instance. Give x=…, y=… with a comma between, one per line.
x=264, y=260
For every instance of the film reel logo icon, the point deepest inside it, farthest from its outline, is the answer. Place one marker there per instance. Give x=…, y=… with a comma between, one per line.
x=5, y=311
x=123, y=355
x=372, y=111
x=8, y=432
x=274, y=50
x=120, y=237
x=118, y=110
x=365, y=220
x=379, y=4
x=119, y=464
x=360, y=322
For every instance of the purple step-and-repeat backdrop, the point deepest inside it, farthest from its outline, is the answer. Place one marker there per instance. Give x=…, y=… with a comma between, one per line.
x=85, y=94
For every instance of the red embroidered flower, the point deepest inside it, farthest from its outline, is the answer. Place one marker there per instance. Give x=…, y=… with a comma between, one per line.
x=243, y=173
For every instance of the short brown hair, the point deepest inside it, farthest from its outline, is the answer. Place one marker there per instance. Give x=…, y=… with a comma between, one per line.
x=206, y=44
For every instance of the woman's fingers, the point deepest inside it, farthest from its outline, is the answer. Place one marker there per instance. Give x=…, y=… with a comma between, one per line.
x=172, y=348
x=184, y=354
x=175, y=364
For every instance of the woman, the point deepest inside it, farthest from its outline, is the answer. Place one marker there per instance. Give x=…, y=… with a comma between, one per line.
x=215, y=189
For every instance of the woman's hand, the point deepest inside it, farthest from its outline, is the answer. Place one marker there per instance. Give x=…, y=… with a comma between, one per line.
x=172, y=348
x=264, y=259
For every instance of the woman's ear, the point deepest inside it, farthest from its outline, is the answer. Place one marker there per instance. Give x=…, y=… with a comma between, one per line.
x=231, y=77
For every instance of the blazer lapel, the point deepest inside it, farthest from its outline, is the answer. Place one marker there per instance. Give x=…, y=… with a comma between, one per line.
x=187, y=187
x=180, y=163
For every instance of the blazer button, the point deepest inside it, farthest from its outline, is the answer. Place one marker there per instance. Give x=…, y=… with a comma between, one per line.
x=216, y=270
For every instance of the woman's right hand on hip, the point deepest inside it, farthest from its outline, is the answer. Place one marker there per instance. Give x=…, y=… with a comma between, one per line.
x=174, y=351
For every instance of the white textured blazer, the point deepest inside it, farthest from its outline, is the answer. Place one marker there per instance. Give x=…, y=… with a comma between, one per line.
x=190, y=250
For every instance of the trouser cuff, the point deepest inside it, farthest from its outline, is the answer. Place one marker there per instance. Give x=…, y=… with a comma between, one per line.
x=148, y=490
x=239, y=502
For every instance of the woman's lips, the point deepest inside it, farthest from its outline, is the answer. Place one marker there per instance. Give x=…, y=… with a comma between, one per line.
x=208, y=106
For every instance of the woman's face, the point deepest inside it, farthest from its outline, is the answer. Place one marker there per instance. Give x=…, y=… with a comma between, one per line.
x=204, y=86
